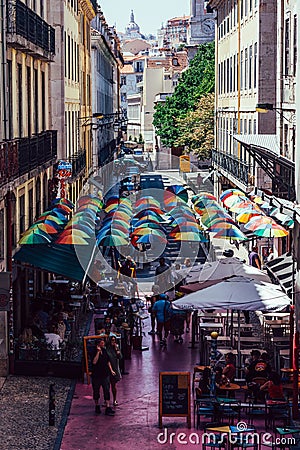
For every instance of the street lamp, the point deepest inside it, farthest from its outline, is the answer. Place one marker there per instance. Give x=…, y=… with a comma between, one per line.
x=266, y=107
x=213, y=359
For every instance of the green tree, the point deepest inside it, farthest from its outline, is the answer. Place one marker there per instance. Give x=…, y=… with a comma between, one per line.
x=196, y=128
x=197, y=81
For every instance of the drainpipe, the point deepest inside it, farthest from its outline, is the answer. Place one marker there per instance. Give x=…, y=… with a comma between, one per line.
x=3, y=68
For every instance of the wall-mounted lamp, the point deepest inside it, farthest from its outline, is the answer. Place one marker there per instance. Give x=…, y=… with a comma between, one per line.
x=266, y=107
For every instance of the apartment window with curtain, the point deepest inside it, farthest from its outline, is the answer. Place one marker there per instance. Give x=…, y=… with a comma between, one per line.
x=255, y=66
x=287, y=50
x=295, y=47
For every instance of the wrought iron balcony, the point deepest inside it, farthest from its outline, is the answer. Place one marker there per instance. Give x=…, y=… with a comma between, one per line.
x=78, y=163
x=240, y=170
x=21, y=156
x=24, y=23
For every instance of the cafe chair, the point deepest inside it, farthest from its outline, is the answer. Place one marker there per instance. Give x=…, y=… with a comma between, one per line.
x=255, y=411
x=213, y=440
x=205, y=407
x=229, y=411
x=244, y=441
x=278, y=414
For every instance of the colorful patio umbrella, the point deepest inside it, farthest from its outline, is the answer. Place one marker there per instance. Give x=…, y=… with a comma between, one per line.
x=247, y=205
x=149, y=238
x=143, y=231
x=270, y=230
x=63, y=201
x=153, y=218
x=71, y=240
x=152, y=225
x=153, y=208
x=231, y=233
x=218, y=220
x=257, y=221
x=34, y=237
x=230, y=192
x=50, y=229
x=220, y=226
x=179, y=190
x=186, y=227
x=60, y=212
x=64, y=207
x=189, y=236
x=80, y=226
x=113, y=241
x=147, y=199
x=75, y=232
x=208, y=219
x=246, y=215
x=234, y=200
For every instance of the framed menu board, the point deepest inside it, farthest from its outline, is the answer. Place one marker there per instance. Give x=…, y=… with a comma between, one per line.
x=174, y=395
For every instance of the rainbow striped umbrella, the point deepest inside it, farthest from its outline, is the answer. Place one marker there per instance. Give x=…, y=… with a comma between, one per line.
x=246, y=215
x=189, y=236
x=230, y=192
x=233, y=200
x=247, y=205
x=231, y=233
x=270, y=230
x=34, y=237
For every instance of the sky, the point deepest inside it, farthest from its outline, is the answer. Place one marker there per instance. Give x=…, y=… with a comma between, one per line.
x=148, y=15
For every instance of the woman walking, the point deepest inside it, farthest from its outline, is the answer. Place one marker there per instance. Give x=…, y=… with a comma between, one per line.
x=114, y=355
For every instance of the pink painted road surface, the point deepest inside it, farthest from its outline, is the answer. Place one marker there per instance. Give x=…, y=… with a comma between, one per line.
x=135, y=424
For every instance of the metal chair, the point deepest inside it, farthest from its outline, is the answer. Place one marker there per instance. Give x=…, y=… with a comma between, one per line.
x=205, y=407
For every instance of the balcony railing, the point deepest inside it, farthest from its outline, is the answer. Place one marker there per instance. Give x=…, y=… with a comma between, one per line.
x=20, y=156
x=24, y=22
x=78, y=163
x=240, y=170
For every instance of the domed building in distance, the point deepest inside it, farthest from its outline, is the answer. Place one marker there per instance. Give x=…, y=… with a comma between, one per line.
x=132, y=31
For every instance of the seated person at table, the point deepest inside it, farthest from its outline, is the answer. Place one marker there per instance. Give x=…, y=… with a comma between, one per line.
x=259, y=368
x=218, y=375
x=249, y=368
x=274, y=387
x=27, y=336
x=229, y=370
x=203, y=388
x=53, y=339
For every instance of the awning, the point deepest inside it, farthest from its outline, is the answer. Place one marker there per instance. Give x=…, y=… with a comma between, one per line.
x=282, y=269
x=58, y=259
x=265, y=141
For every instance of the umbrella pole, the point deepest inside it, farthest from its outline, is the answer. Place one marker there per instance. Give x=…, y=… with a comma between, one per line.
x=239, y=342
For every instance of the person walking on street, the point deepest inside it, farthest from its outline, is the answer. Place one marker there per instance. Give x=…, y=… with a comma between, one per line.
x=154, y=297
x=163, y=312
x=254, y=259
x=163, y=275
x=114, y=354
x=101, y=370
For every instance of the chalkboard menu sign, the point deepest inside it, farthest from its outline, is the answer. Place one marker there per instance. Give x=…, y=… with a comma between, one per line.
x=174, y=395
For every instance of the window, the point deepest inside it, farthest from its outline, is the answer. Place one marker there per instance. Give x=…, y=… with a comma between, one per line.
x=286, y=141
x=42, y=8
x=139, y=78
x=69, y=58
x=287, y=49
x=242, y=8
x=1, y=234
x=242, y=71
x=246, y=68
x=230, y=81
x=175, y=61
x=36, y=100
x=29, y=123
x=43, y=102
x=250, y=5
x=254, y=126
x=250, y=126
x=123, y=97
x=255, y=66
x=227, y=75
x=30, y=206
x=123, y=80
x=38, y=198
x=245, y=126
x=234, y=73
x=22, y=213
x=20, y=100
x=250, y=66
x=10, y=104
x=295, y=47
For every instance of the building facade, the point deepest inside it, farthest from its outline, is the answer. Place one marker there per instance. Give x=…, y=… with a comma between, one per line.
x=107, y=61
x=174, y=33
x=246, y=67
x=28, y=141
x=71, y=87
x=201, y=25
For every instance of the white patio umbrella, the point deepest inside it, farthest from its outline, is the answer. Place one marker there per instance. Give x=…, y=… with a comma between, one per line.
x=239, y=293
x=222, y=269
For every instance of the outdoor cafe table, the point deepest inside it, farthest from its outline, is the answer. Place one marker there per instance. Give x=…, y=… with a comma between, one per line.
x=283, y=432
x=231, y=388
